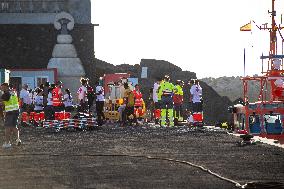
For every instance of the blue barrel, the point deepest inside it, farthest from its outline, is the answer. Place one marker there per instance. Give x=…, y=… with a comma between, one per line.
x=255, y=128
x=274, y=128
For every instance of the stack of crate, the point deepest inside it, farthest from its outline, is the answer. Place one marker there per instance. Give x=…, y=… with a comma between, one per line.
x=111, y=110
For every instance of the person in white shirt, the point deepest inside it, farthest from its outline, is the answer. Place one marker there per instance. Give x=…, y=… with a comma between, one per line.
x=155, y=91
x=48, y=109
x=82, y=96
x=196, y=97
x=100, y=100
x=189, y=119
x=156, y=99
x=68, y=101
x=38, y=101
x=25, y=98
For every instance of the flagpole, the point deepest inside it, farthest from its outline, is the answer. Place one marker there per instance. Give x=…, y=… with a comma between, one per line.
x=244, y=62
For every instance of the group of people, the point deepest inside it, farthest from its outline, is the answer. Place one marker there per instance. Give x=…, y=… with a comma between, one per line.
x=168, y=100
x=132, y=108
x=49, y=98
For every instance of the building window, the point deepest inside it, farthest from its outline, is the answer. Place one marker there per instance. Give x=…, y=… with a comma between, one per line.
x=41, y=80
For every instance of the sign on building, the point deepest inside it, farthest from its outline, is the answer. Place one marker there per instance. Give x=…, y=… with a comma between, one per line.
x=144, y=72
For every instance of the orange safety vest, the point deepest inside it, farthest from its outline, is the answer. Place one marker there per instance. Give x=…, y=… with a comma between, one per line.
x=56, y=97
x=138, y=98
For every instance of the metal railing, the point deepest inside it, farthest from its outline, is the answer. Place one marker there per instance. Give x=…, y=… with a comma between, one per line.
x=32, y=6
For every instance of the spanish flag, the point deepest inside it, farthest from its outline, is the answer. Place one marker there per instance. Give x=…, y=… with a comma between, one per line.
x=246, y=27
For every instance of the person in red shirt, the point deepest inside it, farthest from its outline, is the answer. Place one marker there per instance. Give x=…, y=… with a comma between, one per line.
x=57, y=97
x=138, y=102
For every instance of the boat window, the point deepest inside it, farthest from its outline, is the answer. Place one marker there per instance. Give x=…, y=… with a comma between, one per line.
x=271, y=106
x=252, y=106
x=274, y=118
x=254, y=119
x=240, y=121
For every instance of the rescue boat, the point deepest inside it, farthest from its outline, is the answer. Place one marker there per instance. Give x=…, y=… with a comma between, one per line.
x=265, y=117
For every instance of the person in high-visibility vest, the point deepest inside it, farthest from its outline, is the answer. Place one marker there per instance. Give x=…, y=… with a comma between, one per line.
x=178, y=100
x=166, y=92
x=57, y=97
x=11, y=103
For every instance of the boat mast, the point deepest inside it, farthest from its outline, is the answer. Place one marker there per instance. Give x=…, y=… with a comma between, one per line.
x=273, y=36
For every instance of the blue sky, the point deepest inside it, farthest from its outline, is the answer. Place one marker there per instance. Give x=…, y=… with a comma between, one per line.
x=201, y=36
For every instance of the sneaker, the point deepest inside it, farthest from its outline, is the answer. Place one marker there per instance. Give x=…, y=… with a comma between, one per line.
x=6, y=145
x=18, y=142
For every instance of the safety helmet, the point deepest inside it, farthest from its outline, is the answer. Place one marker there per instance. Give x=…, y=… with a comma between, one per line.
x=178, y=82
x=167, y=77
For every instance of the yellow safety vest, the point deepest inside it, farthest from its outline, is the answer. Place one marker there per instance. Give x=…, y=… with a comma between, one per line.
x=166, y=88
x=179, y=90
x=12, y=104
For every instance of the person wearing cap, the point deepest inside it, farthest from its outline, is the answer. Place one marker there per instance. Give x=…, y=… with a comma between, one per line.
x=90, y=95
x=127, y=110
x=57, y=96
x=138, y=102
x=82, y=95
x=11, y=103
x=165, y=92
x=68, y=101
x=48, y=109
x=45, y=93
x=156, y=100
x=100, y=101
x=38, y=101
x=25, y=99
x=178, y=100
x=196, y=97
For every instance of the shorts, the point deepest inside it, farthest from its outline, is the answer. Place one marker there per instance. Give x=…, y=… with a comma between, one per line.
x=11, y=119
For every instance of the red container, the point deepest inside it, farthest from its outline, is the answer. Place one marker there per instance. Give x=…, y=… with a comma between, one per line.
x=157, y=114
x=61, y=115
x=36, y=116
x=197, y=117
x=67, y=115
x=32, y=115
x=57, y=115
x=25, y=117
x=41, y=116
x=242, y=132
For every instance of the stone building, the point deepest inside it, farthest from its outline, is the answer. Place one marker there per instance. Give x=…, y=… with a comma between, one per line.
x=28, y=35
